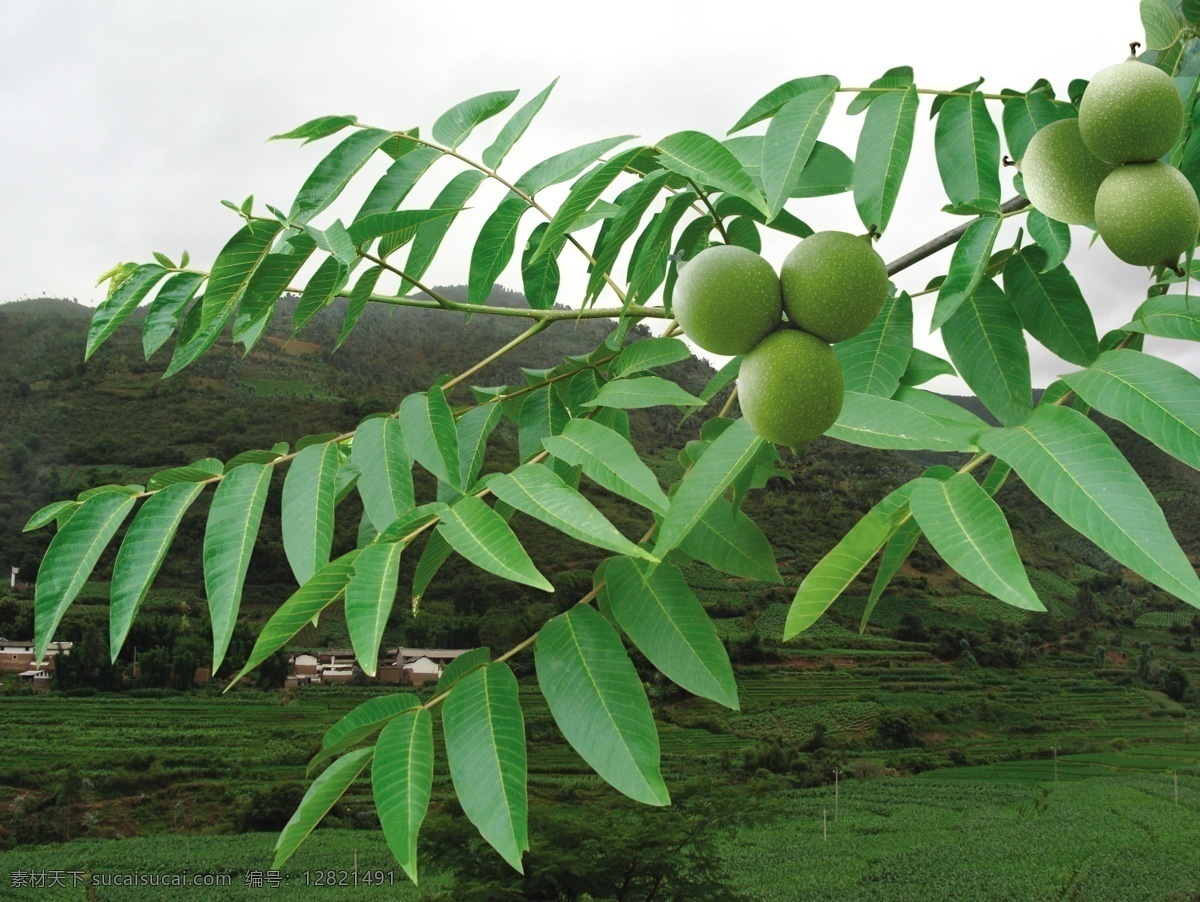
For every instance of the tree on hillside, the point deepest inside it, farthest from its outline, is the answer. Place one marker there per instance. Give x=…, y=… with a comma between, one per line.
x=821, y=343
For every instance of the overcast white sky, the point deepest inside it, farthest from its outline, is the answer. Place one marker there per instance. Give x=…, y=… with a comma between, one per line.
x=130, y=120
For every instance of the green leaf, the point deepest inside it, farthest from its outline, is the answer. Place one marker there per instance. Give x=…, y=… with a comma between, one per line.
x=402, y=780
x=369, y=597
x=649, y=261
x=968, y=151
x=117, y=306
x=968, y=264
x=385, y=481
x=771, y=102
x=321, y=796
x=465, y=663
x=967, y=528
x=142, y=552
x=923, y=366
x=233, y=520
x=334, y=240
x=199, y=471
x=1153, y=397
x=876, y=422
x=1073, y=467
x=474, y=428
x=744, y=233
x=696, y=156
x=534, y=490
x=69, y=560
x=616, y=231
x=494, y=247
x=895, y=553
x=1191, y=11
x=480, y=535
x=430, y=435
x=315, y=129
x=608, y=460
x=1027, y=114
x=939, y=408
x=366, y=718
x=884, y=146
x=330, y=278
x=875, y=359
x=334, y=172
x=307, y=509
x=729, y=541
x=325, y=587
x=359, y=298
x=985, y=341
x=514, y=128
x=454, y=125
x=581, y=196
x=1161, y=23
x=166, y=311
x=566, y=165
x=667, y=623
x=272, y=277
x=109, y=489
x=450, y=202
x=641, y=391
x=721, y=379
x=895, y=79
x=838, y=569
x=435, y=553
x=192, y=340
x=391, y=189
x=49, y=513
x=1051, y=306
x=485, y=747
x=726, y=457
x=1052, y=236
x=649, y=353
x=256, y=457
x=828, y=171
x=543, y=414
x=1168, y=316
x=540, y=280
x=790, y=139
x=597, y=700
x=415, y=521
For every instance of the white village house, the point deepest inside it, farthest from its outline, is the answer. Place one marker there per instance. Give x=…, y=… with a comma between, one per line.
x=407, y=666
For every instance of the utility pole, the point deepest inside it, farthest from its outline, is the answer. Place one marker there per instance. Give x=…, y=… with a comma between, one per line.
x=1055, y=749
x=837, y=773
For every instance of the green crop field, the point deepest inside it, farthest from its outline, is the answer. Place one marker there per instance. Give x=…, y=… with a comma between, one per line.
x=1110, y=838
x=972, y=837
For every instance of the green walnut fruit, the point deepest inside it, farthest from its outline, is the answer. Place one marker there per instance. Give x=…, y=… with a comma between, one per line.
x=1130, y=113
x=1061, y=175
x=834, y=284
x=1147, y=213
x=790, y=388
x=727, y=299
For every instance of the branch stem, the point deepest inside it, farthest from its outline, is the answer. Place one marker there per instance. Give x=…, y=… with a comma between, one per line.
x=712, y=211
x=848, y=90
x=533, y=330
x=943, y=241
